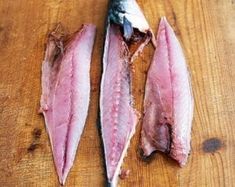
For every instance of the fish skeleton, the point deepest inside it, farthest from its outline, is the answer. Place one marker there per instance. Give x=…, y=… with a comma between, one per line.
x=168, y=102
x=66, y=93
x=126, y=27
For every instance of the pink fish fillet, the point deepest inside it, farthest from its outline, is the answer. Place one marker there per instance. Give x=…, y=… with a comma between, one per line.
x=118, y=118
x=168, y=103
x=127, y=34
x=66, y=92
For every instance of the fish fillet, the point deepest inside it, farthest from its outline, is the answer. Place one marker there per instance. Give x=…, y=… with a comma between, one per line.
x=66, y=92
x=168, y=103
x=126, y=27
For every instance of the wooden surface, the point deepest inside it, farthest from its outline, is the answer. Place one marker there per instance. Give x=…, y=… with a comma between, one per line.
x=206, y=30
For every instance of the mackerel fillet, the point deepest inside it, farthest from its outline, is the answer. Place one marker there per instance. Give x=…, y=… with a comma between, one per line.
x=66, y=93
x=126, y=35
x=168, y=103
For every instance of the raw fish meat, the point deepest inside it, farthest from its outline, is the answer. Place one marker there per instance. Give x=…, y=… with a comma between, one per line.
x=66, y=93
x=168, y=103
x=126, y=35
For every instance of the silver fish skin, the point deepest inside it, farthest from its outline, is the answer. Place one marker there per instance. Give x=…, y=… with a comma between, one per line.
x=128, y=14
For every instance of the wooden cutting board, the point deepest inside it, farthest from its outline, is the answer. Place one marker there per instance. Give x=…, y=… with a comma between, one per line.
x=206, y=30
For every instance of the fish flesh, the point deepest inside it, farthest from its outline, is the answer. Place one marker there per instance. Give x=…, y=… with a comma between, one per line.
x=126, y=27
x=118, y=117
x=168, y=102
x=65, y=92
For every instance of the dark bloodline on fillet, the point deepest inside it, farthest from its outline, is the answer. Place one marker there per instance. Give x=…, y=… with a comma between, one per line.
x=170, y=136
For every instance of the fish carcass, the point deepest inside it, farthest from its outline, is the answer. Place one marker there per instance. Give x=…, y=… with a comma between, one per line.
x=126, y=27
x=66, y=92
x=168, y=102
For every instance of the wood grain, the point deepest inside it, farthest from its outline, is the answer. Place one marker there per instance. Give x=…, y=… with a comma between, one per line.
x=206, y=31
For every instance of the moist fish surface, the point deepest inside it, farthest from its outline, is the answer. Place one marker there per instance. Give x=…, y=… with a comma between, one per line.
x=66, y=93
x=126, y=35
x=168, y=102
